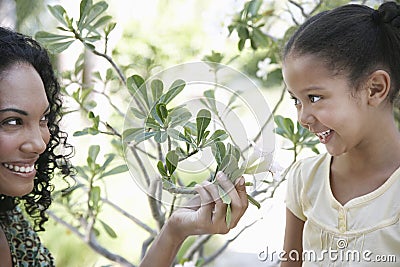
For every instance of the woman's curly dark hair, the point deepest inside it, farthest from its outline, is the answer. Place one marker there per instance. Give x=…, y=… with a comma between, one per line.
x=18, y=48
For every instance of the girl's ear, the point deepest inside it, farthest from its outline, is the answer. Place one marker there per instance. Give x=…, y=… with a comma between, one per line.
x=378, y=87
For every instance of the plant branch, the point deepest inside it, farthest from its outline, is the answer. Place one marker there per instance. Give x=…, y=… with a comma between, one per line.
x=282, y=96
x=197, y=244
x=92, y=242
x=223, y=247
x=131, y=217
x=155, y=203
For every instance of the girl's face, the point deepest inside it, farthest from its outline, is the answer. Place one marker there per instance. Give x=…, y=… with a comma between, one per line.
x=23, y=128
x=326, y=104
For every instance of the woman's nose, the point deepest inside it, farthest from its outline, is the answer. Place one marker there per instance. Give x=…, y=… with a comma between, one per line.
x=35, y=141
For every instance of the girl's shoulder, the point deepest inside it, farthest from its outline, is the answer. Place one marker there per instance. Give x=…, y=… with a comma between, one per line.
x=306, y=167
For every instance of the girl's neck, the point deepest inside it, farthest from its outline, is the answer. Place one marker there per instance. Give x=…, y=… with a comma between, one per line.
x=380, y=151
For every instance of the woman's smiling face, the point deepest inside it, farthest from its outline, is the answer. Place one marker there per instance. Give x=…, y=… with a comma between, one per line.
x=326, y=103
x=23, y=127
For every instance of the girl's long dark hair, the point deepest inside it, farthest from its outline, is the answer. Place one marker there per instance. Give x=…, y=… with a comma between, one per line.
x=18, y=48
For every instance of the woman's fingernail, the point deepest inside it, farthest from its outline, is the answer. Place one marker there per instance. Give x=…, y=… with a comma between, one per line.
x=222, y=176
x=241, y=180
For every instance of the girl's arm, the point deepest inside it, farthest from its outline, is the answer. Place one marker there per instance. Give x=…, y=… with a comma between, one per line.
x=205, y=214
x=293, y=240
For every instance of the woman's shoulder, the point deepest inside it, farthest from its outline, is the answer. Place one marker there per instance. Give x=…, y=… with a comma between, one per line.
x=19, y=233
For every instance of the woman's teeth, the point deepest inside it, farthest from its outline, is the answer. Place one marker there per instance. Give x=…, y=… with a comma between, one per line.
x=21, y=169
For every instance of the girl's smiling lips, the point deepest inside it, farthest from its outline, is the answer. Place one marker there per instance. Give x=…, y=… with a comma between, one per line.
x=324, y=136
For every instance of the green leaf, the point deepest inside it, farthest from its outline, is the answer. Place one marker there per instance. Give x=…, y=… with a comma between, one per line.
x=226, y=199
x=161, y=137
x=130, y=134
x=215, y=57
x=95, y=196
x=254, y=7
x=228, y=216
x=57, y=48
x=237, y=173
x=157, y=88
x=259, y=38
x=218, y=150
x=243, y=32
x=81, y=133
x=152, y=123
x=116, y=170
x=138, y=114
x=142, y=136
x=59, y=13
x=84, y=10
x=94, y=12
x=233, y=150
x=137, y=87
x=47, y=37
x=241, y=44
x=93, y=152
x=102, y=21
x=228, y=164
x=162, y=111
x=110, y=26
x=176, y=87
x=82, y=173
x=218, y=135
x=180, y=117
x=175, y=134
x=210, y=95
x=203, y=119
x=172, y=160
x=253, y=201
x=109, y=159
x=161, y=169
x=108, y=230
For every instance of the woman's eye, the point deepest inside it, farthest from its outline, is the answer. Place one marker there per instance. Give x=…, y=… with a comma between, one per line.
x=44, y=120
x=314, y=98
x=12, y=122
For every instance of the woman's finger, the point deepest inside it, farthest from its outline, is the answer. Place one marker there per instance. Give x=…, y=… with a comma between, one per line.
x=207, y=202
x=219, y=211
x=237, y=194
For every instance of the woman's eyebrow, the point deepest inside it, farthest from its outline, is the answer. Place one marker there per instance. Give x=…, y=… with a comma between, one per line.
x=22, y=112
x=47, y=109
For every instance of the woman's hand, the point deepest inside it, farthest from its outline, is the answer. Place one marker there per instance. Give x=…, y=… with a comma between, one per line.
x=206, y=212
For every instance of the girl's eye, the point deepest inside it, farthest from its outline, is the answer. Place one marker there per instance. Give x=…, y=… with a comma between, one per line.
x=296, y=101
x=314, y=98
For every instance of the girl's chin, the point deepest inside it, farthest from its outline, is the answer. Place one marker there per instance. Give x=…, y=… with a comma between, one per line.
x=334, y=152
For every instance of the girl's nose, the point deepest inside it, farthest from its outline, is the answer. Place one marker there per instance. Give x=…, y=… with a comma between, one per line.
x=305, y=117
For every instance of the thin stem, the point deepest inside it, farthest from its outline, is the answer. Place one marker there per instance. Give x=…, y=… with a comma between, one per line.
x=92, y=242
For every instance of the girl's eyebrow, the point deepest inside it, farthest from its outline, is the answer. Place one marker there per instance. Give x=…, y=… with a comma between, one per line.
x=311, y=88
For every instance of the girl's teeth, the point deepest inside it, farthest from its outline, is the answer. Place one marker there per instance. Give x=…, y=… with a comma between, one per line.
x=324, y=134
x=21, y=169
